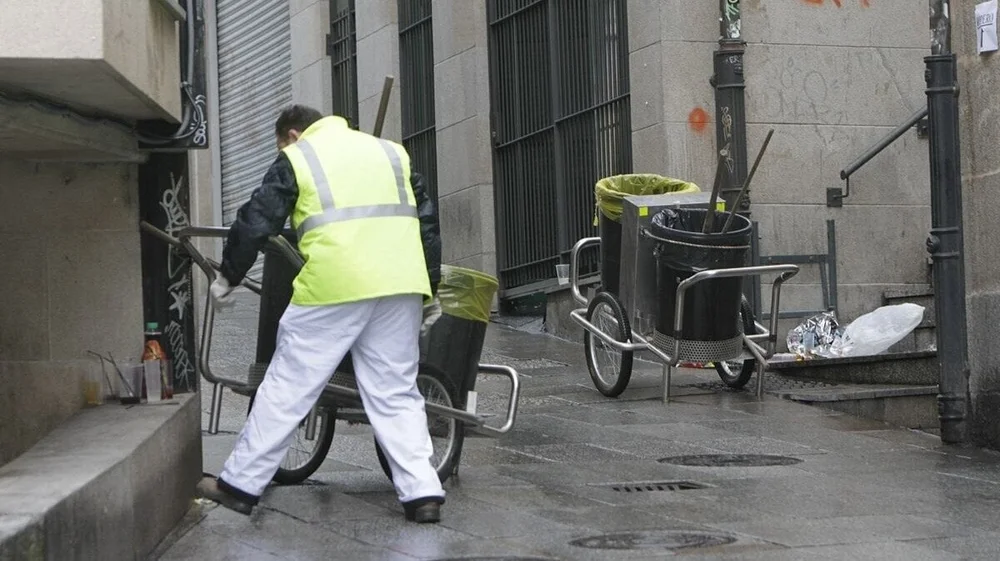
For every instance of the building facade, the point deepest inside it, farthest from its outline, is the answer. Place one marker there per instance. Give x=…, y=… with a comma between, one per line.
x=515, y=108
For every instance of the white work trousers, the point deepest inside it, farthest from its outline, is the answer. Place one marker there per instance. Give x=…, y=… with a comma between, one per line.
x=382, y=335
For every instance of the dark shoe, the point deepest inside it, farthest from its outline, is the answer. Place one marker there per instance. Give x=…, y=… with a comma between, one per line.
x=208, y=488
x=424, y=511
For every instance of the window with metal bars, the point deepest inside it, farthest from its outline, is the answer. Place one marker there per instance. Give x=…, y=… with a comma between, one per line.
x=342, y=47
x=559, y=89
x=416, y=68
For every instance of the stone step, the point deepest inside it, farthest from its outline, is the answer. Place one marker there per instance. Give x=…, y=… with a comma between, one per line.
x=924, y=337
x=110, y=483
x=898, y=388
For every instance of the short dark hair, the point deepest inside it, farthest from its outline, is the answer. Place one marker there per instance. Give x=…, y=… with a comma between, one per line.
x=297, y=117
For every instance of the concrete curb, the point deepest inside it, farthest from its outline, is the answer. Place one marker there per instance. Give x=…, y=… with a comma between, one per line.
x=109, y=483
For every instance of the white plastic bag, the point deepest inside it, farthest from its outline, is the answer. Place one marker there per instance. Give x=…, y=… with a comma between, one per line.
x=874, y=332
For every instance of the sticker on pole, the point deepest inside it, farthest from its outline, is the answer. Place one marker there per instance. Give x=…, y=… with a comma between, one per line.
x=986, y=27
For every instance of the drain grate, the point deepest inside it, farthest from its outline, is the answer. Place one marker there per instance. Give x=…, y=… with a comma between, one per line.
x=731, y=460
x=668, y=540
x=654, y=486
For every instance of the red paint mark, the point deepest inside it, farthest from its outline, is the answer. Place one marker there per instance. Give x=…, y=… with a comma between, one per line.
x=866, y=4
x=814, y=2
x=698, y=119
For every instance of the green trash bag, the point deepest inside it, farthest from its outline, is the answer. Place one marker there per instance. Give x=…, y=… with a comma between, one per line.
x=466, y=294
x=610, y=191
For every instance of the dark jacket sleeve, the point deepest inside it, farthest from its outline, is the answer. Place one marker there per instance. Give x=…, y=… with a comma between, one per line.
x=430, y=230
x=261, y=217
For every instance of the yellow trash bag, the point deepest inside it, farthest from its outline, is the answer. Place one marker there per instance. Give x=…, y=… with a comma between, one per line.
x=610, y=191
x=466, y=293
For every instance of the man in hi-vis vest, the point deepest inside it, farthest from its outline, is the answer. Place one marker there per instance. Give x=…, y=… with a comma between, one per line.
x=372, y=250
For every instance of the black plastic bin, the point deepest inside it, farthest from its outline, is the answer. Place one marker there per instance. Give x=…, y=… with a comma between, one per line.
x=276, y=293
x=455, y=343
x=609, y=194
x=453, y=346
x=712, y=329
x=611, y=254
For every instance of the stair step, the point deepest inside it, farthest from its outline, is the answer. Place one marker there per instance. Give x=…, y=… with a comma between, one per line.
x=912, y=368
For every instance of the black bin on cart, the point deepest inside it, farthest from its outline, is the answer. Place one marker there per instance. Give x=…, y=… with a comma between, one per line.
x=276, y=293
x=453, y=345
x=609, y=194
x=712, y=330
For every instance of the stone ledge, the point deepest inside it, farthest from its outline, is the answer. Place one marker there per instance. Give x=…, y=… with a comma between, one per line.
x=30, y=132
x=109, y=483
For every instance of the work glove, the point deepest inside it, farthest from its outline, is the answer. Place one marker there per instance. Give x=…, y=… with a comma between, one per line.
x=432, y=311
x=221, y=293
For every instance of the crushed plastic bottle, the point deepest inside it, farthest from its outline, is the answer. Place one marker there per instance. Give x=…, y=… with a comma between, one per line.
x=815, y=336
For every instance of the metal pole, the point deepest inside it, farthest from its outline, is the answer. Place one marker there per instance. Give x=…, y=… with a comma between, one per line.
x=730, y=109
x=945, y=243
x=730, y=112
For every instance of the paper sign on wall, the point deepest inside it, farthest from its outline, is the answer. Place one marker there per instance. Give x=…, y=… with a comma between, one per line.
x=986, y=27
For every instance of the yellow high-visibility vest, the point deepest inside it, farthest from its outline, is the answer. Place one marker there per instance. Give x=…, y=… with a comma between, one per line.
x=356, y=217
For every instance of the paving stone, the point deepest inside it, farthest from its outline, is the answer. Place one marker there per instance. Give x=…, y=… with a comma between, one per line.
x=886, y=551
x=864, y=490
x=845, y=530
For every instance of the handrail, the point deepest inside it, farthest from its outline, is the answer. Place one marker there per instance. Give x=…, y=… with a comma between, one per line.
x=836, y=199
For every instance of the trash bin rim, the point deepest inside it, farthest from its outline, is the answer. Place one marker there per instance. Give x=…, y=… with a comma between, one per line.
x=658, y=239
x=745, y=231
x=479, y=275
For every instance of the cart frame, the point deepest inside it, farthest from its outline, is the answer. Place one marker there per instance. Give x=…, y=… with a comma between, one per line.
x=336, y=396
x=637, y=343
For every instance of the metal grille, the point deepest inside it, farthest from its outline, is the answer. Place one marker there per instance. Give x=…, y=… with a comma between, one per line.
x=342, y=46
x=559, y=83
x=654, y=486
x=701, y=351
x=416, y=66
x=255, y=73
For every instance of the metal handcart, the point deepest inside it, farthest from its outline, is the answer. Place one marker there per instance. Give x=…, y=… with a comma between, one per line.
x=610, y=318
x=449, y=410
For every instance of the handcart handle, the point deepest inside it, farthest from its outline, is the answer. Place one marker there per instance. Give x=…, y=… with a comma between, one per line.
x=574, y=267
x=209, y=267
x=515, y=396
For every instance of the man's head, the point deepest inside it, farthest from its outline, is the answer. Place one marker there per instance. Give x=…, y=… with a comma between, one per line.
x=292, y=122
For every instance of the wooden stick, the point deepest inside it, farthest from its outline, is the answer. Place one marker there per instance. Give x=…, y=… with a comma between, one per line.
x=709, y=223
x=746, y=184
x=383, y=106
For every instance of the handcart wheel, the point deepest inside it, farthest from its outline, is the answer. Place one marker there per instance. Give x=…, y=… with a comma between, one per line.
x=610, y=368
x=736, y=373
x=304, y=456
x=447, y=434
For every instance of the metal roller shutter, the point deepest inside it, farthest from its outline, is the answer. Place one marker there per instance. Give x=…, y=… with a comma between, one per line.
x=255, y=83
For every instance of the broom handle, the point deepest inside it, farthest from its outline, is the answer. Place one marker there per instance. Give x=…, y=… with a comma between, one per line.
x=746, y=184
x=707, y=225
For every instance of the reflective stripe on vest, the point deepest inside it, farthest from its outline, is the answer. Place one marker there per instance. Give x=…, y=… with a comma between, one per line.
x=333, y=214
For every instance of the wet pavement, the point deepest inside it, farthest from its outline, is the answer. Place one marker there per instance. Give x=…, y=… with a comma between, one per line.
x=580, y=478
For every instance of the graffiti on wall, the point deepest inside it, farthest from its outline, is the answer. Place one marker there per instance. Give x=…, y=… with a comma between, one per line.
x=180, y=305
x=731, y=18
x=164, y=202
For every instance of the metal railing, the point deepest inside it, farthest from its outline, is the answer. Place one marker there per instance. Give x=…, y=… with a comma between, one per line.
x=835, y=196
